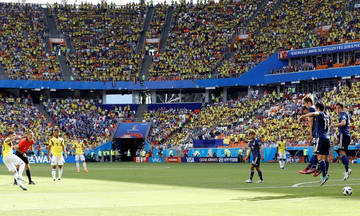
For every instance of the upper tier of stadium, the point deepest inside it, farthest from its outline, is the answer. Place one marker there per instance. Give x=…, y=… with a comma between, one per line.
x=180, y=41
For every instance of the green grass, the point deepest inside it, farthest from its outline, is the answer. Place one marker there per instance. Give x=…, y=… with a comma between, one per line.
x=179, y=189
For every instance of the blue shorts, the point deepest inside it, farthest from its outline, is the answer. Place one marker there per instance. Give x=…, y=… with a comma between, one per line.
x=256, y=162
x=322, y=146
x=344, y=142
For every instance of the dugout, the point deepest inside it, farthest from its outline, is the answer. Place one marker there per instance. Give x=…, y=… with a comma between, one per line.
x=130, y=135
x=122, y=145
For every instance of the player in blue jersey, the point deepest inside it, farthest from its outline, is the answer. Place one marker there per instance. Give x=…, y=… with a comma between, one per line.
x=309, y=107
x=344, y=137
x=322, y=147
x=257, y=155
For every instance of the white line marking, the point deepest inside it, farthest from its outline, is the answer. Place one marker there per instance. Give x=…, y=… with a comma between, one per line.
x=302, y=185
x=336, y=180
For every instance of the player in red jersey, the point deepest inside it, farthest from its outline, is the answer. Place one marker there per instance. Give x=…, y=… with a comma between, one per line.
x=21, y=149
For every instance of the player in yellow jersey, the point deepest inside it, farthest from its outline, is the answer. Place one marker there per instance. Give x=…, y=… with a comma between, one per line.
x=79, y=147
x=281, y=148
x=57, y=148
x=13, y=162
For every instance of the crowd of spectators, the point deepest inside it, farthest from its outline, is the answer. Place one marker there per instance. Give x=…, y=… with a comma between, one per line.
x=273, y=117
x=158, y=21
x=104, y=38
x=76, y=118
x=167, y=123
x=296, y=25
x=84, y=119
x=23, y=52
x=198, y=38
x=19, y=114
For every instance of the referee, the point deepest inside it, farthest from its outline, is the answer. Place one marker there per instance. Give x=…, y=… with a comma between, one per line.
x=21, y=149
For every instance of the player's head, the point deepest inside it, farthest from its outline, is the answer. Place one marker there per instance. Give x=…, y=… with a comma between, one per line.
x=308, y=100
x=56, y=132
x=252, y=134
x=11, y=134
x=320, y=106
x=339, y=107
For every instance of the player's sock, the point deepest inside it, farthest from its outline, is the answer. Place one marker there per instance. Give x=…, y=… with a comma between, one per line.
x=21, y=169
x=322, y=165
x=84, y=165
x=280, y=163
x=77, y=165
x=16, y=175
x=311, y=162
x=251, y=174
x=345, y=161
x=327, y=165
x=315, y=162
x=260, y=175
x=60, y=172
x=53, y=173
x=28, y=175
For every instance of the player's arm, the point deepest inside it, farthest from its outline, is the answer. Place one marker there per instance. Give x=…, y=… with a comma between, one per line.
x=32, y=151
x=342, y=123
x=49, y=149
x=308, y=115
x=247, y=155
x=311, y=124
x=64, y=149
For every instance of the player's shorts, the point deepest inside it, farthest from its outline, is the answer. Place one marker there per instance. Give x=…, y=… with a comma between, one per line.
x=344, y=142
x=57, y=161
x=322, y=146
x=256, y=162
x=281, y=155
x=11, y=161
x=81, y=157
x=22, y=157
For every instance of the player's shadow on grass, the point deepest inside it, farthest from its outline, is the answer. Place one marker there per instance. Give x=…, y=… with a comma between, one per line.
x=264, y=198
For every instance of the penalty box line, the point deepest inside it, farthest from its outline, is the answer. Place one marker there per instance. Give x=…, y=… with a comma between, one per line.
x=303, y=185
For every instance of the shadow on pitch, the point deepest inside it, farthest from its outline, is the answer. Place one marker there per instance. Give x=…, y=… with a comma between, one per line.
x=266, y=198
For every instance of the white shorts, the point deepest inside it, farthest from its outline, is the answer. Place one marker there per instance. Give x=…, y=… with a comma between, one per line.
x=82, y=158
x=11, y=161
x=57, y=161
x=281, y=155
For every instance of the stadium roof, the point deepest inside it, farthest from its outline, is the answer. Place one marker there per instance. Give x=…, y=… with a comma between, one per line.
x=118, y=2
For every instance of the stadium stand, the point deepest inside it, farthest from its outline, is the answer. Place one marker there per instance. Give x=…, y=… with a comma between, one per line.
x=104, y=37
x=158, y=21
x=295, y=25
x=23, y=52
x=271, y=116
x=83, y=118
x=197, y=40
x=20, y=114
x=167, y=122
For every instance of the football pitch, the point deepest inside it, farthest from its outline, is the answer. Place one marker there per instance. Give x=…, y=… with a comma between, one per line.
x=179, y=189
